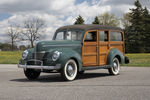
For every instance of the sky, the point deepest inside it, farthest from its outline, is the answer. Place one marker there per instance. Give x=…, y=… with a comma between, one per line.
x=58, y=13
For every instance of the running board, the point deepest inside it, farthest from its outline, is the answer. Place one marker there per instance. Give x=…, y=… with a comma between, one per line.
x=96, y=67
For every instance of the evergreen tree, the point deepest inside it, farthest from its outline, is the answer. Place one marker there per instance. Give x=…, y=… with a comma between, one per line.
x=146, y=22
x=79, y=20
x=135, y=31
x=96, y=21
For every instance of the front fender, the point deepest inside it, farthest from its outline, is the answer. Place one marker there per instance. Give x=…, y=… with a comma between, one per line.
x=30, y=51
x=67, y=54
x=115, y=53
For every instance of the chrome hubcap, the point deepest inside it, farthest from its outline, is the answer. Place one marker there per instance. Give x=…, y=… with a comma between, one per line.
x=115, y=66
x=70, y=70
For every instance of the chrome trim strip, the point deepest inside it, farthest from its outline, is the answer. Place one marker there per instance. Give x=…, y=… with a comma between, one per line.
x=62, y=45
x=58, y=66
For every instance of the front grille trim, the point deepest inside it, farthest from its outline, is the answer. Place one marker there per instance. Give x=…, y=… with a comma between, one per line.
x=38, y=55
x=34, y=62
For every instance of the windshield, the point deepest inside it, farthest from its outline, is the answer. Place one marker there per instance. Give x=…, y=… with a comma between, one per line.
x=69, y=35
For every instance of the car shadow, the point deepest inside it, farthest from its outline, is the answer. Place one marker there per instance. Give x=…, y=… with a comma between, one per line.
x=57, y=77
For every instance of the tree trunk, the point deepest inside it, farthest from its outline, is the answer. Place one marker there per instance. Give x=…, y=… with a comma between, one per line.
x=32, y=44
x=12, y=45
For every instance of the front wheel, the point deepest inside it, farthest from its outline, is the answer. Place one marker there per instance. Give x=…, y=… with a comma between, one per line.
x=69, y=72
x=31, y=74
x=114, y=70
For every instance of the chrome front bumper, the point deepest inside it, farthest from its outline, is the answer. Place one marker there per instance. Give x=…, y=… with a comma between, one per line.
x=58, y=66
x=25, y=66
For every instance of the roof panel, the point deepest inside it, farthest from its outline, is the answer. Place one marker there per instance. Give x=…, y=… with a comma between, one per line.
x=88, y=27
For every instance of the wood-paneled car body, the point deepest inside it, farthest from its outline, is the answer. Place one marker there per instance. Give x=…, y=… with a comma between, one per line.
x=74, y=49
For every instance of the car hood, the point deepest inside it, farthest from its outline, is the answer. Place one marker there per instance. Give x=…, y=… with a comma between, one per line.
x=47, y=45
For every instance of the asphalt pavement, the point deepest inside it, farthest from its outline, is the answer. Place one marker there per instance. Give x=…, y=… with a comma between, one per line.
x=133, y=83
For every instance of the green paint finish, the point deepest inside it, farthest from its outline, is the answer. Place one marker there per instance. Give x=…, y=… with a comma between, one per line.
x=68, y=49
x=66, y=54
x=48, y=45
x=115, y=53
x=30, y=51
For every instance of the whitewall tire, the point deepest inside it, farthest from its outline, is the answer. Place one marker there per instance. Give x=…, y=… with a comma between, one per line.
x=69, y=72
x=114, y=70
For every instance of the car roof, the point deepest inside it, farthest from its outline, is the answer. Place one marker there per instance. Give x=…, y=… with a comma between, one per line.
x=89, y=27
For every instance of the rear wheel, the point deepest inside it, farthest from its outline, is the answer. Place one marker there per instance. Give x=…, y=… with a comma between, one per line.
x=31, y=74
x=69, y=72
x=114, y=70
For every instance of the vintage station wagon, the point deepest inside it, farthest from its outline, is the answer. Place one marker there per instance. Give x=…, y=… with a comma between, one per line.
x=74, y=49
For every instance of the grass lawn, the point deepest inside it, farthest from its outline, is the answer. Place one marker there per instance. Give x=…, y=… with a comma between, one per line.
x=137, y=59
x=9, y=57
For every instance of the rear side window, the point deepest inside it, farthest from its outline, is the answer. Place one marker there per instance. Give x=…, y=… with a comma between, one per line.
x=103, y=35
x=116, y=36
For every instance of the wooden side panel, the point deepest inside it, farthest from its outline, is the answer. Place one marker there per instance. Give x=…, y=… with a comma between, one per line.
x=91, y=61
x=103, y=52
x=95, y=53
x=118, y=45
x=89, y=53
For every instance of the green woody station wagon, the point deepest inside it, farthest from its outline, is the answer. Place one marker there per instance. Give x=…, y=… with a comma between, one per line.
x=74, y=49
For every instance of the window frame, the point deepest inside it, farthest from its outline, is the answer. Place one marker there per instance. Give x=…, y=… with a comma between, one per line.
x=122, y=35
x=107, y=34
x=86, y=32
x=64, y=34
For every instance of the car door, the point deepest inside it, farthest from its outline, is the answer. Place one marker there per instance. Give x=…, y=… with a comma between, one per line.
x=103, y=46
x=90, y=48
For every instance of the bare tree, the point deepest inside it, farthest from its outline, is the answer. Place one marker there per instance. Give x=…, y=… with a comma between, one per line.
x=13, y=33
x=32, y=30
x=126, y=20
x=108, y=19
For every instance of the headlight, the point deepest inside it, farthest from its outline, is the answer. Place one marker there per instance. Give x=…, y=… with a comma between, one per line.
x=25, y=54
x=56, y=55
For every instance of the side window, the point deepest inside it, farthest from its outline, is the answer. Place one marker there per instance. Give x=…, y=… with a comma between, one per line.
x=91, y=37
x=103, y=36
x=76, y=35
x=68, y=35
x=60, y=36
x=116, y=36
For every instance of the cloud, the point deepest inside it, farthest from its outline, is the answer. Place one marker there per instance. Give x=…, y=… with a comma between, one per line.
x=57, y=13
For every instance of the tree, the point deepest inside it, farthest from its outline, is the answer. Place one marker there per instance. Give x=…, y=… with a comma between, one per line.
x=108, y=19
x=13, y=33
x=22, y=47
x=32, y=30
x=126, y=25
x=146, y=28
x=96, y=21
x=136, y=29
x=137, y=34
x=126, y=20
x=79, y=20
x=7, y=47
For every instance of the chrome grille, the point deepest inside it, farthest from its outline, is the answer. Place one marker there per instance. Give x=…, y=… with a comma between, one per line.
x=34, y=62
x=38, y=56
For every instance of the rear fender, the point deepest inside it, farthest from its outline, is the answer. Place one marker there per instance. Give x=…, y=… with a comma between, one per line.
x=115, y=53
